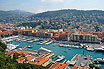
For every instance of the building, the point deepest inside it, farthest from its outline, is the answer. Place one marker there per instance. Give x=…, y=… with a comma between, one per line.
x=99, y=34
x=47, y=63
x=42, y=33
x=79, y=61
x=79, y=67
x=58, y=66
x=63, y=36
x=85, y=38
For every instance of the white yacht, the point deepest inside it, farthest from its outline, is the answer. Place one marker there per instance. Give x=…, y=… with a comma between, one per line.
x=100, y=49
x=99, y=60
x=60, y=58
x=11, y=46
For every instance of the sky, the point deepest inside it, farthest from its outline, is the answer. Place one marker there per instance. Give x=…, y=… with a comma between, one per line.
x=38, y=6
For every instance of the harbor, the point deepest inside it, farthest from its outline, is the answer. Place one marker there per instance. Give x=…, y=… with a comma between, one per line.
x=67, y=50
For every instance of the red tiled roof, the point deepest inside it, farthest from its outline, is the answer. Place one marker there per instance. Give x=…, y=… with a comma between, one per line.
x=78, y=67
x=30, y=57
x=31, y=62
x=41, y=61
x=20, y=60
x=58, y=66
x=20, y=52
x=11, y=52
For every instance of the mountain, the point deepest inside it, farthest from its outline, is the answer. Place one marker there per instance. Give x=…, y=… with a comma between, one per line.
x=14, y=16
x=68, y=13
x=15, y=12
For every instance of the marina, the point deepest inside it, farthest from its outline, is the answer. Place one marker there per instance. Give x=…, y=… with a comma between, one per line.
x=71, y=51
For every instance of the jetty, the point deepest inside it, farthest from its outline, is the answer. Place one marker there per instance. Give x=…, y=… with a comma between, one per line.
x=48, y=43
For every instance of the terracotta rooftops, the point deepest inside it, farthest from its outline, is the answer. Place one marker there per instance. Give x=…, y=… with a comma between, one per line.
x=58, y=66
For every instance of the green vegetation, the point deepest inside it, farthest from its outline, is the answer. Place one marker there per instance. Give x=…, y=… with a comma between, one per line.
x=30, y=24
x=7, y=63
x=2, y=35
x=93, y=66
x=2, y=46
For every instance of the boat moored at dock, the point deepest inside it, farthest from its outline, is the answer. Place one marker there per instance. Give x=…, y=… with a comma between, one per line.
x=60, y=58
x=100, y=49
x=99, y=60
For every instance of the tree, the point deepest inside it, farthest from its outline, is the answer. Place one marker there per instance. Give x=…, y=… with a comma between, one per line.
x=2, y=35
x=91, y=65
x=96, y=67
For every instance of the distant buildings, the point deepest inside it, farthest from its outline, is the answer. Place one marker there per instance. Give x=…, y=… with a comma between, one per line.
x=76, y=36
x=85, y=38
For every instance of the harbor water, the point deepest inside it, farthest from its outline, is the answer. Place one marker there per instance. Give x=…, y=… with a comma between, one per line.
x=69, y=54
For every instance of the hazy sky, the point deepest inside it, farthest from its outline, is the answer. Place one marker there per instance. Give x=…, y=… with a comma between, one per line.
x=37, y=6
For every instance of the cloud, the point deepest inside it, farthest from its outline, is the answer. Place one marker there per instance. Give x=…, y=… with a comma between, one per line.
x=52, y=0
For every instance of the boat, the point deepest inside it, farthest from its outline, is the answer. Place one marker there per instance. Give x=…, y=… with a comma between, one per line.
x=100, y=49
x=60, y=58
x=29, y=46
x=67, y=62
x=75, y=46
x=30, y=41
x=54, y=56
x=48, y=43
x=99, y=60
x=44, y=49
x=90, y=49
x=42, y=42
x=64, y=61
x=19, y=48
x=65, y=51
x=11, y=46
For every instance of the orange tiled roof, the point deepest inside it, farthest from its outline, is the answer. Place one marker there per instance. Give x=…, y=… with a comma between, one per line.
x=58, y=66
x=42, y=61
x=20, y=52
x=78, y=67
x=31, y=62
x=20, y=60
x=11, y=52
x=30, y=57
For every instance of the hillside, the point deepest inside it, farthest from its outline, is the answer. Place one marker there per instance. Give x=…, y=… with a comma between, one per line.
x=15, y=12
x=69, y=13
x=14, y=16
x=65, y=18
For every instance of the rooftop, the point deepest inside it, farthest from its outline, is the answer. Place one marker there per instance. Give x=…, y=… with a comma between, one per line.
x=42, y=61
x=78, y=67
x=58, y=66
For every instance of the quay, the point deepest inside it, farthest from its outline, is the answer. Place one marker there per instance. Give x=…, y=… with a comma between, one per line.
x=79, y=60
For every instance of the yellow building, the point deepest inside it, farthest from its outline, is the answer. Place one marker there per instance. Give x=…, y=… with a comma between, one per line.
x=47, y=62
